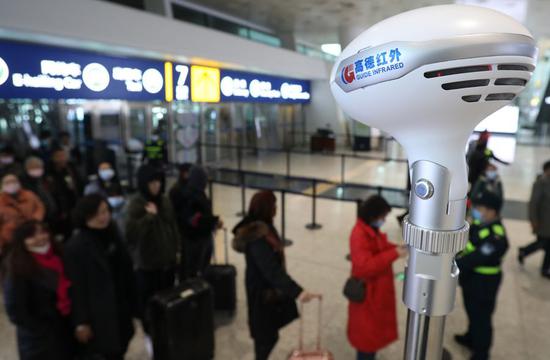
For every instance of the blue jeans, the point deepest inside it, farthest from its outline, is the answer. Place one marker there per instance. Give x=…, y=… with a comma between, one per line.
x=365, y=356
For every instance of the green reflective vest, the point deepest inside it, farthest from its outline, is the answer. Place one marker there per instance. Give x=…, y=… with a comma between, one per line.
x=153, y=150
x=483, y=234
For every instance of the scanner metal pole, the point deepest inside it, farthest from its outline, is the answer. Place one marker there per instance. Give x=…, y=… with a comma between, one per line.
x=435, y=231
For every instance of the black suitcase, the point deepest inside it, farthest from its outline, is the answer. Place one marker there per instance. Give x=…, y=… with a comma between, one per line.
x=182, y=322
x=222, y=278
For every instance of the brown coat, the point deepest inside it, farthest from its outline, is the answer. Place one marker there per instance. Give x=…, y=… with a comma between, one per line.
x=14, y=210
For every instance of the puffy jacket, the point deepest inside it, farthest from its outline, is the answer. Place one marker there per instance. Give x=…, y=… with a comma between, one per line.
x=270, y=291
x=372, y=324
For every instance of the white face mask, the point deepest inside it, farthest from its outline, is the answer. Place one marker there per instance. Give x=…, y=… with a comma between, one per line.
x=106, y=174
x=12, y=188
x=40, y=249
x=115, y=201
x=36, y=173
x=6, y=160
x=491, y=175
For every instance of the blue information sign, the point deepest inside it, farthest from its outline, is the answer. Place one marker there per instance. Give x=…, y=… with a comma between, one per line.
x=48, y=72
x=250, y=87
x=34, y=71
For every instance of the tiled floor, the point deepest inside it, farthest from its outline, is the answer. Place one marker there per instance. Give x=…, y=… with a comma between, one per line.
x=317, y=261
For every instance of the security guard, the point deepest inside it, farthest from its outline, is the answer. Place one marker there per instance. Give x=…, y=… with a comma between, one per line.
x=155, y=152
x=481, y=273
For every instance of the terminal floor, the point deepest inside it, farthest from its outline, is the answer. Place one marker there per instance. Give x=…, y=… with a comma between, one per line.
x=317, y=261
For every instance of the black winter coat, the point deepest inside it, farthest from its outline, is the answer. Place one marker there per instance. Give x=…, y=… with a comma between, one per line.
x=197, y=222
x=270, y=291
x=42, y=333
x=103, y=290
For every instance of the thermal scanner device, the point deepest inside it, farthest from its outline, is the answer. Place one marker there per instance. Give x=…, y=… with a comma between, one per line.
x=427, y=77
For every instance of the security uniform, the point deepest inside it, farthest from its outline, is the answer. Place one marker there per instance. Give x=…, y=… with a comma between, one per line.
x=480, y=278
x=155, y=152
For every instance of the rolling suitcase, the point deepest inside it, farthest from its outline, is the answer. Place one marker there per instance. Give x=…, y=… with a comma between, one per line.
x=318, y=353
x=182, y=322
x=222, y=279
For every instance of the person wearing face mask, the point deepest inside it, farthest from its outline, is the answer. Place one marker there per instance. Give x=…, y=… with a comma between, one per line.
x=372, y=322
x=17, y=205
x=35, y=181
x=108, y=186
x=481, y=273
x=489, y=181
x=36, y=293
x=152, y=236
x=66, y=188
x=104, y=290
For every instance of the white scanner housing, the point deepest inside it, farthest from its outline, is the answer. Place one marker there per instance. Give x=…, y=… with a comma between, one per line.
x=429, y=76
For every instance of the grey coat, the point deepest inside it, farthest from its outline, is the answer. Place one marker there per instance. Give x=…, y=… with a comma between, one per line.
x=539, y=206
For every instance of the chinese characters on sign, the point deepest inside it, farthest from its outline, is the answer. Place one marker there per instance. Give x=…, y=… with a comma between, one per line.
x=46, y=72
x=372, y=65
x=243, y=86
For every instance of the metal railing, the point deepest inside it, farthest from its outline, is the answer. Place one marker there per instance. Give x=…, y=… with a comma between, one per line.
x=238, y=152
x=304, y=186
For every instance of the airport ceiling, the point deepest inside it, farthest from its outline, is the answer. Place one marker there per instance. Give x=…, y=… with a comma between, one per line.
x=320, y=21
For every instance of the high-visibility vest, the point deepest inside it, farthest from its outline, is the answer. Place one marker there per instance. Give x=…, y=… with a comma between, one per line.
x=153, y=150
x=483, y=234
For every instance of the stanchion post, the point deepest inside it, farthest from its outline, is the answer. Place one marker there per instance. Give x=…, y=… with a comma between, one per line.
x=313, y=225
x=286, y=241
x=288, y=162
x=242, y=213
x=342, y=168
x=239, y=157
x=358, y=202
x=211, y=192
x=130, y=171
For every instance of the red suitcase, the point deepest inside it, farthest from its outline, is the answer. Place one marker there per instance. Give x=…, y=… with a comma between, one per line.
x=318, y=353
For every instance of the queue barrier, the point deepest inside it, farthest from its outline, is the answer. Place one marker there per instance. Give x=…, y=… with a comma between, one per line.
x=304, y=186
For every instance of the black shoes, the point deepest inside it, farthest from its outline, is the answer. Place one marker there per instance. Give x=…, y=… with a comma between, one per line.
x=464, y=340
x=521, y=256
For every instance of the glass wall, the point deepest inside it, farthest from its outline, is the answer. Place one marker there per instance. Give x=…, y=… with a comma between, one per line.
x=121, y=128
x=197, y=17
x=534, y=120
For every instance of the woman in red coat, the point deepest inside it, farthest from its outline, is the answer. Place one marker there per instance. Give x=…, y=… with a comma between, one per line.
x=372, y=324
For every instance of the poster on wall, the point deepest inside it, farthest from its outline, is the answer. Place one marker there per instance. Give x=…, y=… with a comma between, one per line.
x=187, y=136
x=47, y=72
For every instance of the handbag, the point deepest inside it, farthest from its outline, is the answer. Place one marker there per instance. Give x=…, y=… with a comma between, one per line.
x=355, y=290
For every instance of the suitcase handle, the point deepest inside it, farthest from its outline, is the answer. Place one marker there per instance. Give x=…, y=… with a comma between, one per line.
x=319, y=323
x=226, y=249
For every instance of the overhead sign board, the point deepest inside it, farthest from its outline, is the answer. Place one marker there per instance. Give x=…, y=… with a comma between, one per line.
x=250, y=87
x=38, y=71
x=35, y=71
